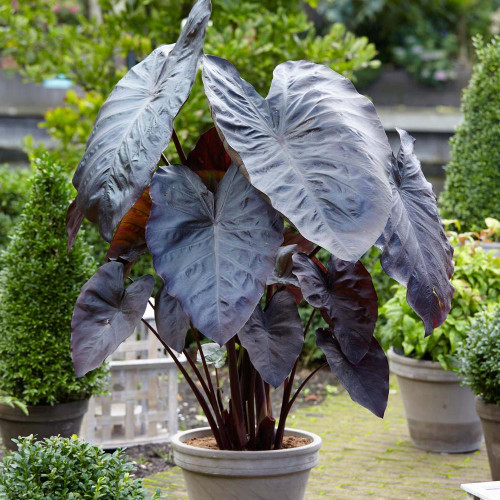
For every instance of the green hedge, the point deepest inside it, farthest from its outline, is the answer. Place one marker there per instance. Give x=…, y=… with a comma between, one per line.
x=472, y=188
x=39, y=284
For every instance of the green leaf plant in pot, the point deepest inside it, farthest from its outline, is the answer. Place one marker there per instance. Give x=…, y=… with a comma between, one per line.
x=39, y=284
x=313, y=154
x=479, y=366
x=440, y=412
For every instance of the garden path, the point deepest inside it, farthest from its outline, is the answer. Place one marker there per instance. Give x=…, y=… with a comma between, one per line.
x=365, y=457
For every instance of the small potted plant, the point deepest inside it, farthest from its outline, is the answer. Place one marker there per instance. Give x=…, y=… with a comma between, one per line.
x=440, y=412
x=58, y=467
x=39, y=284
x=479, y=366
x=312, y=154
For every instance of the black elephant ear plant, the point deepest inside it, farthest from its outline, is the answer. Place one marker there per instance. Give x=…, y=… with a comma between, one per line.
x=313, y=154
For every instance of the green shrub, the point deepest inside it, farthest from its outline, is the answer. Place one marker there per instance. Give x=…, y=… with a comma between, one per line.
x=479, y=356
x=477, y=285
x=61, y=469
x=13, y=196
x=39, y=284
x=472, y=187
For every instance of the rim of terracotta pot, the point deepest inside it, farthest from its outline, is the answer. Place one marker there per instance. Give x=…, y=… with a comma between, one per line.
x=60, y=411
x=487, y=411
x=245, y=463
x=419, y=369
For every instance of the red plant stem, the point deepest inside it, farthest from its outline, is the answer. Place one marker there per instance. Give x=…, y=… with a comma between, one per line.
x=267, y=388
x=164, y=159
x=236, y=403
x=219, y=391
x=260, y=399
x=301, y=386
x=251, y=411
x=287, y=391
x=213, y=399
x=314, y=252
x=189, y=380
x=309, y=322
x=178, y=147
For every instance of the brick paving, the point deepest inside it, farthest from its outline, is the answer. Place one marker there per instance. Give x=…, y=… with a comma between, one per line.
x=365, y=457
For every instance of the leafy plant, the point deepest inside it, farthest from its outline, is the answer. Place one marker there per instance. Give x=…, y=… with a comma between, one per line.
x=312, y=152
x=39, y=284
x=67, y=468
x=13, y=196
x=477, y=286
x=479, y=356
x=472, y=177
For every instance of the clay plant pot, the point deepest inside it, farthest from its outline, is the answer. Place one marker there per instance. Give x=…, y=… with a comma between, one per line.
x=440, y=412
x=42, y=420
x=245, y=475
x=490, y=420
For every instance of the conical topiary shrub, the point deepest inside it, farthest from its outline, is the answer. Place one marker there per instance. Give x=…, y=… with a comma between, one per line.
x=472, y=188
x=39, y=284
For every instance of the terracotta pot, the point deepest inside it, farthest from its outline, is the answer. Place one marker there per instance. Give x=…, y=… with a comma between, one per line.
x=440, y=412
x=245, y=475
x=43, y=420
x=490, y=420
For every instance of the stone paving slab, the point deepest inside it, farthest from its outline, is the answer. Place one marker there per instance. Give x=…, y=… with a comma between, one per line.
x=365, y=457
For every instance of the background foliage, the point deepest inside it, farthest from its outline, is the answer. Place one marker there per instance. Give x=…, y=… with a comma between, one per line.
x=477, y=286
x=39, y=284
x=472, y=187
x=66, y=468
x=480, y=356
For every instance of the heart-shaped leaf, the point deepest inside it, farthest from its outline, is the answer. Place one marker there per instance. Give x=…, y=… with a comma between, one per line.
x=134, y=126
x=209, y=159
x=129, y=241
x=214, y=252
x=367, y=382
x=347, y=295
x=105, y=315
x=214, y=354
x=314, y=147
x=415, y=249
x=274, y=338
x=172, y=323
x=293, y=237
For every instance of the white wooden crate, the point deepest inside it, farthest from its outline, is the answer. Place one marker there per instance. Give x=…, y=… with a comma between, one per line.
x=141, y=406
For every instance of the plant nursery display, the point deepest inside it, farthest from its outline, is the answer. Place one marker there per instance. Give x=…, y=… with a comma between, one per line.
x=60, y=468
x=479, y=366
x=39, y=284
x=234, y=229
x=440, y=412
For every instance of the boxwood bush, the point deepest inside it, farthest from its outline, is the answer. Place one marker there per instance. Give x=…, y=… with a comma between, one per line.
x=66, y=468
x=479, y=356
x=472, y=187
x=39, y=284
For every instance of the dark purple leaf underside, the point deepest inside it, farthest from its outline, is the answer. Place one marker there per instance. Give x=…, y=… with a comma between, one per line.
x=213, y=251
x=415, y=249
x=274, y=338
x=367, y=382
x=172, y=323
x=105, y=315
x=135, y=124
x=315, y=147
x=347, y=297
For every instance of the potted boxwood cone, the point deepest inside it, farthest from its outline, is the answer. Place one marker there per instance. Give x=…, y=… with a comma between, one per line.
x=314, y=154
x=480, y=367
x=39, y=284
x=440, y=412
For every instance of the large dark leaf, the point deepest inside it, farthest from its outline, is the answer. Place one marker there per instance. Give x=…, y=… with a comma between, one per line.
x=347, y=295
x=105, y=315
x=172, y=323
x=314, y=147
x=209, y=159
x=415, y=250
x=292, y=237
x=129, y=241
x=134, y=126
x=274, y=338
x=367, y=382
x=214, y=252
